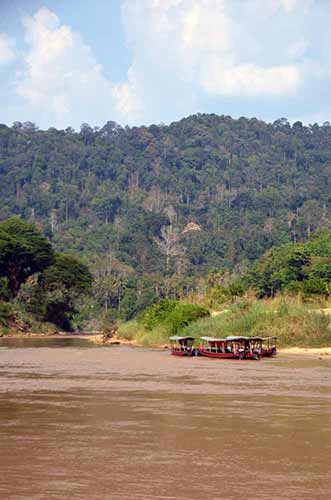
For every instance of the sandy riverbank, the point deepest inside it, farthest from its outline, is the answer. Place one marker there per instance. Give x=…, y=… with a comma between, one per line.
x=309, y=351
x=317, y=351
x=94, y=338
x=98, y=339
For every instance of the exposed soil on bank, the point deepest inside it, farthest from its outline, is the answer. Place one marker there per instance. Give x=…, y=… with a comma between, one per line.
x=318, y=351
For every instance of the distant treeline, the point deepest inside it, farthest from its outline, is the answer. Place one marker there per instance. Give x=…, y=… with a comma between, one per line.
x=153, y=210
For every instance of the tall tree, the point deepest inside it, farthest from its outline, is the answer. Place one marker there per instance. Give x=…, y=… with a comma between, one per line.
x=60, y=285
x=23, y=252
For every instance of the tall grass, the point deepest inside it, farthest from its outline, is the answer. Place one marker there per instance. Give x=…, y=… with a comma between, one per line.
x=134, y=331
x=128, y=330
x=293, y=323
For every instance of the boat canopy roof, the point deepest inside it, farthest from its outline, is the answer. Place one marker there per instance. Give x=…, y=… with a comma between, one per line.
x=233, y=338
x=177, y=338
x=212, y=339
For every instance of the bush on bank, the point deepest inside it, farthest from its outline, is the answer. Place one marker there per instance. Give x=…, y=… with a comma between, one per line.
x=161, y=320
x=6, y=314
x=172, y=315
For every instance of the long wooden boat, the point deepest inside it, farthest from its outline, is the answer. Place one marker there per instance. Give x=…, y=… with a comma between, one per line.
x=232, y=347
x=182, y=346
x=269, y=347
x=237, y=347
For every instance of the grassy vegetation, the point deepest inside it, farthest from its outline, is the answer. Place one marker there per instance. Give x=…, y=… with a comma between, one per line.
x=173, y=315
x=161, y=320
x=132, y=330
x=294, y=323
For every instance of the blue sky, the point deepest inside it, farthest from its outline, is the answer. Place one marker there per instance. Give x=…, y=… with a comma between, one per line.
x=65, y=62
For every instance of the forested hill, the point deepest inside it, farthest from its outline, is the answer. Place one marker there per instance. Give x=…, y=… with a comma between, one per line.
x=205, y=192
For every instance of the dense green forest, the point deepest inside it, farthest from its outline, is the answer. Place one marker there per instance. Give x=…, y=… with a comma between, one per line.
x=152, y=210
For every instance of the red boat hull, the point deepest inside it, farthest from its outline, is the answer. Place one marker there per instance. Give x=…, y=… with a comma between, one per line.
x=231, y=355
x=221, y=355
x=269, y=352
x=225, y=355
x=176, y=352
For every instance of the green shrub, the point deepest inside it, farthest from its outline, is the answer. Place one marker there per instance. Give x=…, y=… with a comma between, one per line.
x=5, y=293
x=157, y=336
x=157, y=314
x=183, y=314
x=134, y=331
x=6, y=313
x=322, y=270
x=128, y=330
x=161, y=320
x=315, y=286
x=171, y=314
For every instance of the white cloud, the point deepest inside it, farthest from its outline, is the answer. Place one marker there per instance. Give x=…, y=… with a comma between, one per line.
x=212, y=48
x=289, y=5
x=187, y=56
x=169, y=40
x=127, y=101
x=298, y=48
x=62, y=82
x=206, y=26
x=249, y=80
x=7, y=49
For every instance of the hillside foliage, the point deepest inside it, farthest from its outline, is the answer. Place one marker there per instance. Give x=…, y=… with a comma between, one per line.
x=153, y=210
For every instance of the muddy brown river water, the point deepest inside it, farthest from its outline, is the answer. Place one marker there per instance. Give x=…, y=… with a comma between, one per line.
x=124, y=423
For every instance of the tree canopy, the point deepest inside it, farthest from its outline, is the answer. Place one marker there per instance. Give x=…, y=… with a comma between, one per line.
x=296, y=267
x=51, y=282
x=23, y=252
x=59, y=287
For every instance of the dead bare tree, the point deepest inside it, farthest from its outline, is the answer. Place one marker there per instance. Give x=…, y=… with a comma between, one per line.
x=169, y=243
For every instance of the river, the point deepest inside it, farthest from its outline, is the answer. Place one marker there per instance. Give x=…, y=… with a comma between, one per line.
x=123, y=423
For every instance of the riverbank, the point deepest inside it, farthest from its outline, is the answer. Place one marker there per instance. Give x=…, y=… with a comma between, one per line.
x=301, y=351
x=300, y=328
x=93, y=338
x=97, y=339
x=307, y=351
